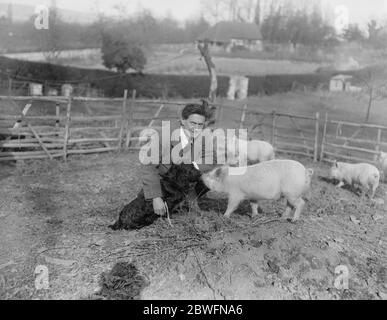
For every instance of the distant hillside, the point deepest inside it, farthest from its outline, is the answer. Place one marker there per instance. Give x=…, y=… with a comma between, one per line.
x=22, y=13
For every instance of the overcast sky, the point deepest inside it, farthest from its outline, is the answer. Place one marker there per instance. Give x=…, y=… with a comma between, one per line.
x=360, y=11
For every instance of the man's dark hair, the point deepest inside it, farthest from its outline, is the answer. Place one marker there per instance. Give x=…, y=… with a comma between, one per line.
x=194, y=108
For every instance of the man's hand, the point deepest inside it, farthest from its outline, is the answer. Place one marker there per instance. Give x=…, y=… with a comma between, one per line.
x=158, y=206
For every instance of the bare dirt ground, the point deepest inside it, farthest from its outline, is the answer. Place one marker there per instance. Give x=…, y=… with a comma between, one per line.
x=56, y=214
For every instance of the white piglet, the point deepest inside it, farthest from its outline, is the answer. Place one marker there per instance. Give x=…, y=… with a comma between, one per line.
x=256, y=151
x=269, y=180
x=363, y=174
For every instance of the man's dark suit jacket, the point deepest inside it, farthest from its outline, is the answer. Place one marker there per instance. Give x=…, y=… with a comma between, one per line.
x=151, y=173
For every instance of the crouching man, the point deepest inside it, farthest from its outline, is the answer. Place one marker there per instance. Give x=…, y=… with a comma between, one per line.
x=185, y=143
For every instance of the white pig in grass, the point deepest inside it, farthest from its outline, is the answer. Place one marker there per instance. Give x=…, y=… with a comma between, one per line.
x=364, y=174
x=269, y=180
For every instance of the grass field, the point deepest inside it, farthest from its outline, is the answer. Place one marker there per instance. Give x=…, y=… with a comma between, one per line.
x=167, y=63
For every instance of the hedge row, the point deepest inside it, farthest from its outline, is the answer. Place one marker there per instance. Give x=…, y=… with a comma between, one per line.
x=151, y=85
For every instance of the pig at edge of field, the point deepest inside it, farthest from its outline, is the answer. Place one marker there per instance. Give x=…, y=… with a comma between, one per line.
x=364, y=174
x=269, y=180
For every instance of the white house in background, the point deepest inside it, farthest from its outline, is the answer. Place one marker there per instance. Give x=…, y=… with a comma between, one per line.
x=226, y=35
x=342, y=83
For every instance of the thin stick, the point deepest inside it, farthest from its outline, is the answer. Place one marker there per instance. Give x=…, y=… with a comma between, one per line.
x=40, y=141
x=156, y=116
x=129, y=120
x=315, y=156
x=67, y=129
x=255, y=223
x=25, y=110
x=324, y=137
x=57, y=113
x=243, y=116
x=273, y=129
x=377, y=148
x=167, y=209
x=123, y=120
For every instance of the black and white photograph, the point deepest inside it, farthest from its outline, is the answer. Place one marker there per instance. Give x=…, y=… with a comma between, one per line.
x=193, y=150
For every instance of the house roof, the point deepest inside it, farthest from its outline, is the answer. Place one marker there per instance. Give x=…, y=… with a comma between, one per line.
x=224, y=31
x=342, y=77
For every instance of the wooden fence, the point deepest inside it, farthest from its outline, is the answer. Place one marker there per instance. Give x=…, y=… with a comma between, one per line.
x=350, y=141
x=25, y=136
x=288, y=133
x=80, y=125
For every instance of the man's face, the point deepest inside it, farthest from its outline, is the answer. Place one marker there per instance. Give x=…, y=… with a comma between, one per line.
x=194, y=124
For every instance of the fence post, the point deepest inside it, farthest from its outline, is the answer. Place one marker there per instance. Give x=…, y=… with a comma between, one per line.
x=243, y=116
x=377, y=148
x=123, y=120
x=316, y=137
x=130, y=120
x=324, y=137
x=219, y=115
x=9, y=87
x=57, y=113
x=273, y=129
x=67, y=129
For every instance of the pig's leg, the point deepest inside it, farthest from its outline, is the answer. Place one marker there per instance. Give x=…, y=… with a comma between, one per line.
x=233, y=202
x=254, y=209
x=287, y=211
x=299, y=204
x=374, y=187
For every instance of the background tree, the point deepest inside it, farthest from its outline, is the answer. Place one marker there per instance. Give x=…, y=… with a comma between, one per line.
x=374, y=82
x=205, y=52
x=257, y=13
x=377, y=35
x=231, y=10
x=295, y=25
x=353, y=33
x=194, y=28
x=121, y=53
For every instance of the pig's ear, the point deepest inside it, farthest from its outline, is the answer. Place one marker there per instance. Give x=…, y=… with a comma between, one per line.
x=220, y=172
